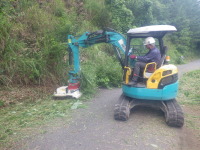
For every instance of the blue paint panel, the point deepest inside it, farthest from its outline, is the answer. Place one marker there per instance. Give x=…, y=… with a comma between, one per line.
x=167, y=93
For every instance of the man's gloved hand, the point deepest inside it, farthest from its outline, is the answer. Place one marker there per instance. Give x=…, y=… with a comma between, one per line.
x=133, y=56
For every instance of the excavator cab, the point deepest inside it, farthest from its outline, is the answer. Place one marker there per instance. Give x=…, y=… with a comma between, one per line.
x=158, y=86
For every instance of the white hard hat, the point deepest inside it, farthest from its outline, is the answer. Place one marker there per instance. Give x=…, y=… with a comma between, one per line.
x=149, y=40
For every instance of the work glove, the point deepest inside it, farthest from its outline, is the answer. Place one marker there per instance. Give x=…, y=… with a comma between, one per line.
x=133, y=56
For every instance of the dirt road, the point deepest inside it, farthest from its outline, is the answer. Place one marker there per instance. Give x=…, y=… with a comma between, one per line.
x=94, y=128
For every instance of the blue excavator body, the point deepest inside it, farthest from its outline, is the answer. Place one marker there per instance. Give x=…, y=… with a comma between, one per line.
x=157, y=89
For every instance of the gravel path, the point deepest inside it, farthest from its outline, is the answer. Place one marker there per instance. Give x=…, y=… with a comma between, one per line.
x=194, y=65
x=94, y=128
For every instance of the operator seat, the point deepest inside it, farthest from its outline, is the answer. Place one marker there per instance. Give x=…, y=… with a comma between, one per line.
x=151, y=67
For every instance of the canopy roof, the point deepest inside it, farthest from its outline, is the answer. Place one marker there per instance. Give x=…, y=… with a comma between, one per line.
x=154, y=31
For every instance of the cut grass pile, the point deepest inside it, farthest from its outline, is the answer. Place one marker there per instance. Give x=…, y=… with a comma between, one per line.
x=18, y=120
x=25, y=119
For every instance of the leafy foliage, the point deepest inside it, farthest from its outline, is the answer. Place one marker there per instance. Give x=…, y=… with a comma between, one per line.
x=33, y=36
x=100, y=69
x=97, y=13
x=121, y=17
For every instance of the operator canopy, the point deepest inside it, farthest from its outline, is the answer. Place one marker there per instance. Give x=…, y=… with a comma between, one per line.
x=151, y=31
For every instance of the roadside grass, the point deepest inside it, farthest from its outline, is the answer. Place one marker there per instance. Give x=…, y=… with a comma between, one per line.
x=26, y=119
x=189, y=98
x=189, y=89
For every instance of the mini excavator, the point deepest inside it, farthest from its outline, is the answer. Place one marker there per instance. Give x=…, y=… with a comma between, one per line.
x=158, y=85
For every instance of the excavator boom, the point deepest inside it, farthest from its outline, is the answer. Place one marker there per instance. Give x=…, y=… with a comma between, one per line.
x=86, y=40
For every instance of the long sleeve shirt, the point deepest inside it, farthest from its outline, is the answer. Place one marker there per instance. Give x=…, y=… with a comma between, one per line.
x=152, y=56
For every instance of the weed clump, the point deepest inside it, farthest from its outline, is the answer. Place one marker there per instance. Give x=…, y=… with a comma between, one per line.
x=32, y=37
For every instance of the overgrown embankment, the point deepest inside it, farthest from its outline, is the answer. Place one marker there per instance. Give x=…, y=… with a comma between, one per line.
x=33, y=37
x=34, y=43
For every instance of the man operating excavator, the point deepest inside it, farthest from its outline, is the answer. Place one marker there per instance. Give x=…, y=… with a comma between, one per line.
x=152, y=56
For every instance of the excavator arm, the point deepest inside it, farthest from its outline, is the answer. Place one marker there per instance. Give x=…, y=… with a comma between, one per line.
x=86, y=40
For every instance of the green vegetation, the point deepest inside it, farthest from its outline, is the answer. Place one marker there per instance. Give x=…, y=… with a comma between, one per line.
x=33, y=36
x=32, y=42
x=23, y=118
x=189, y=97
x=189, y=91
x=33, y=51
x=100, y=69
x=27, y=118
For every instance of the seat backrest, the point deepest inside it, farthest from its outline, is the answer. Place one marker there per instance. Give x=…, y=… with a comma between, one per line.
x=149, y=69
x=160, y=63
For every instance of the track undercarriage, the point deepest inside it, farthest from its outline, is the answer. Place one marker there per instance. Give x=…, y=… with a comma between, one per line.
x=173, y=113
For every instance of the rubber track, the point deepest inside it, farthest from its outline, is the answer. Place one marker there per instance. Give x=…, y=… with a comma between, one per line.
x=122, y=109
x=174, y=114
